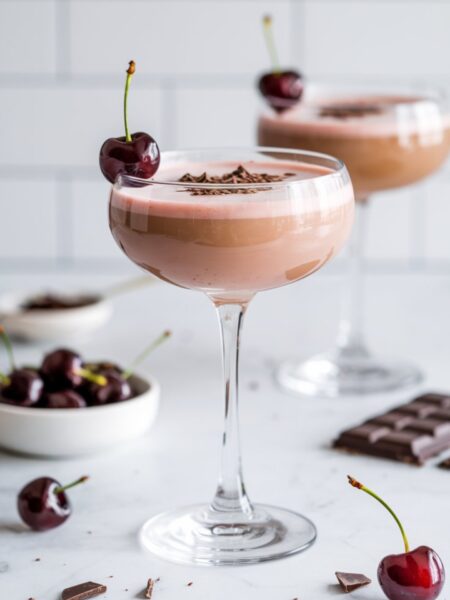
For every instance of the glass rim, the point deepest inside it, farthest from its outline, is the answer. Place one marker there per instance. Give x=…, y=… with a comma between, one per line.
x=338, y=168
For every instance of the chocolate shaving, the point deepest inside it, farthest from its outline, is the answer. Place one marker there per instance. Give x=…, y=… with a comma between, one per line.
x=352, y=581
x=239, y=175
x=149, y=589
x=83, y=591
x=346, y=111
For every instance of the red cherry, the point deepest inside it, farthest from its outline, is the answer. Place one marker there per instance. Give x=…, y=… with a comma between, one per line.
x=24, y=387
x=116, y=389
x=43, y=503
x=138, y=157
x=65, y=399
x=415, y=575
x=61, y=369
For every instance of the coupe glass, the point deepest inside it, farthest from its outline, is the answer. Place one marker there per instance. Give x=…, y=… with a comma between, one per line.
x=230, y=241
x=387, y=138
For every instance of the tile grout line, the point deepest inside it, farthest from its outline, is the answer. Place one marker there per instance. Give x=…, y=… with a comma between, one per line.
x=62, y=41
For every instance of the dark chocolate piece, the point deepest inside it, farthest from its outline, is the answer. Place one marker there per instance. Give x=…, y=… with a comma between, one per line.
x=149, y=589
x=352, y=581
x=445, y=464
x=411, y=433
x=83, y=591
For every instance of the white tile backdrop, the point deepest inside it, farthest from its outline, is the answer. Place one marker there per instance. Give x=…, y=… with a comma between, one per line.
x=62, y=68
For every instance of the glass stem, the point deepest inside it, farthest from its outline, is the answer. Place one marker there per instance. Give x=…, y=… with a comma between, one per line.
x=351, y=328
x=230, y=494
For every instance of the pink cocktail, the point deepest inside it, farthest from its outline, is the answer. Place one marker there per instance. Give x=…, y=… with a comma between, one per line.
x=231, y=223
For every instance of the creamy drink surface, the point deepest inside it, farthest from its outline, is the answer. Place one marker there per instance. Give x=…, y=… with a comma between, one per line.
x=385, y=141
x=233, y=245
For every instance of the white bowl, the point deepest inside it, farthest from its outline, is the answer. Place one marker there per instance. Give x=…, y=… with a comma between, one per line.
x=51, y=325
x=62, y=432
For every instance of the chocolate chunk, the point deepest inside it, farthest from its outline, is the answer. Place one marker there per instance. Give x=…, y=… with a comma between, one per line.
x=445, y=464
x=149, y=589
x=352, y=581
x=83, y=591
x=411, y=433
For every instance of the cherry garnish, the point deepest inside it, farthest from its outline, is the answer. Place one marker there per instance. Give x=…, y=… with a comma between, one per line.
x=23, y=387
x=136, y=154
x=43, y=503
x=65, y=399
x=281, y=89
x=413, y=575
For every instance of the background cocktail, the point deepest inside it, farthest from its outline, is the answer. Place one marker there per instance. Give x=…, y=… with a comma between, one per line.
x=387, y=140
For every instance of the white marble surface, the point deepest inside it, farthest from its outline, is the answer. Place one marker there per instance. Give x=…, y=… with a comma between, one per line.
x=287, y=459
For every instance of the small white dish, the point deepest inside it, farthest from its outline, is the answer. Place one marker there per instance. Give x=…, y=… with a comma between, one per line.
x=59, y=433
x=40, y=325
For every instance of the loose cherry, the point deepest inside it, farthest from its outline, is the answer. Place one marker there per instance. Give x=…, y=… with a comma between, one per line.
x=62, y=369
x=133, y=154
x=413, y=575
x=117, y=387
x=281, y=89
x=43, y=503
x=65, y=399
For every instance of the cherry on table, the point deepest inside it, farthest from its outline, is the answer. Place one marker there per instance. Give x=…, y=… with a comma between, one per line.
x=65, y=399
x=134, y=154
x=43, y=503
x=415, y=575
x=282, y=89
x=412, y=575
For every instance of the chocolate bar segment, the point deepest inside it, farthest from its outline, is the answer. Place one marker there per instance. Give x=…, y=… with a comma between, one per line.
x=83, y=591
x=410, y=433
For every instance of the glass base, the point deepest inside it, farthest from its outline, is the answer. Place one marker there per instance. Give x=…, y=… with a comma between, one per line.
x=201, y=535
x=335, y=374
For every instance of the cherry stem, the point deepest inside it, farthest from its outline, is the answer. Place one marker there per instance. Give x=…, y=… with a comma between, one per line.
x=4, y=379
x=270, y=43
x=128, y=372
x=63, y=488
x=356, y=484
x=8, y=346
x=130, y=72
x=93, y=377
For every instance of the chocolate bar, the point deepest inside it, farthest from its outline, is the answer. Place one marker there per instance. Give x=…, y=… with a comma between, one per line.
x=83, y=591
x=410, y=433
